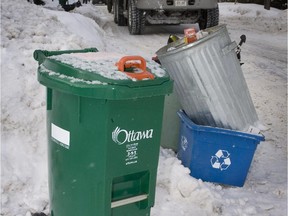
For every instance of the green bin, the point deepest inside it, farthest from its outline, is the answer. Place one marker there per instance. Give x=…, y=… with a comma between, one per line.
x=104, y=132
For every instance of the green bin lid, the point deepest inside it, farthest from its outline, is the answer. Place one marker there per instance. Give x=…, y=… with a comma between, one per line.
x=95, y=74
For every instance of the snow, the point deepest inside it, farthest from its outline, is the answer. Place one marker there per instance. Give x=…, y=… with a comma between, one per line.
x=105, y=64
x=71, y=79
x=98, y=66
x=26, y=27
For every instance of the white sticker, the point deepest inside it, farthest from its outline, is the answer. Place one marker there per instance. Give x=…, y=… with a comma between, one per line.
x=61, y=135
x=132, y=153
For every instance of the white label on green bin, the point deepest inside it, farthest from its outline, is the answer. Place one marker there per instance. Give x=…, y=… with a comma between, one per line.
x=221, y=160
x=61, y=135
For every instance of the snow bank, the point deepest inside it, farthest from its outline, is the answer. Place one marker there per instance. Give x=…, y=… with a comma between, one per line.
x=254, y=17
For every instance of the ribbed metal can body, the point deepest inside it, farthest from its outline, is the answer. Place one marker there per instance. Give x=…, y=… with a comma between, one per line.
x=209, y=81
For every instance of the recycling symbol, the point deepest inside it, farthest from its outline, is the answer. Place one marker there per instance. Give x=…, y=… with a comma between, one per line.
x=184, y=143
x=221, y=160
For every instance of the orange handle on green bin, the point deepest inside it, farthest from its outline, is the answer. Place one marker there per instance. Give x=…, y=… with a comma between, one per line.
x=127, y=62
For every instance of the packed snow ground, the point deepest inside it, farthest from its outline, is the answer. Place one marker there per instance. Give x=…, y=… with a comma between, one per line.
x=26, y=27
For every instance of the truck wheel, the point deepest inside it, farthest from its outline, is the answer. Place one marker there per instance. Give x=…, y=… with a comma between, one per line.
x=210, y=18
x=136, y=19
x=109, y=5
x=115, y=10
x=118, y=13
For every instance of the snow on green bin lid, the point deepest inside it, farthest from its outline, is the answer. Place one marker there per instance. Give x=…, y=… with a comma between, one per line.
x=84, y=69
x=104, y=64
x=101, y=66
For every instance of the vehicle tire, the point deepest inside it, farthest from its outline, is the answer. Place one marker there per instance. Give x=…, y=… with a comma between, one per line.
x=118, y=13
x=115, y=10
x=136, y=19
x=209, y=18
x=109, y=5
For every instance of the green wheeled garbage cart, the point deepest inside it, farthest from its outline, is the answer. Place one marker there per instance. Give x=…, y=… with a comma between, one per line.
x=104, y=129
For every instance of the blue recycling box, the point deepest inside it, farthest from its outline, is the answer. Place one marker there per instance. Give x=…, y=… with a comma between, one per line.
x=215, y=154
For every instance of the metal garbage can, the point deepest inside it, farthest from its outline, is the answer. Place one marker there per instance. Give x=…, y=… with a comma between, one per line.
x=209, y=81
x=104, y=130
